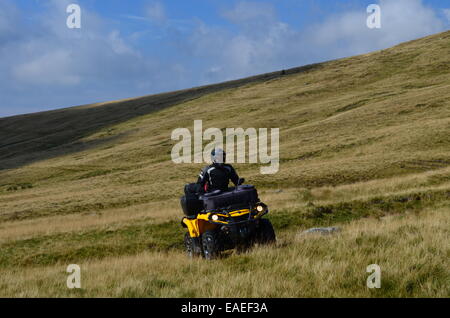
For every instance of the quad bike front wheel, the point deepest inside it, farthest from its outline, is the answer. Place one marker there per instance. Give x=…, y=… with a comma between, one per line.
x=265, y=234
x=192, y=246
x=211, y=243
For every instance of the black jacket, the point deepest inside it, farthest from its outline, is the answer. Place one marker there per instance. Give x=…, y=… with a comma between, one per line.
x=217, y=177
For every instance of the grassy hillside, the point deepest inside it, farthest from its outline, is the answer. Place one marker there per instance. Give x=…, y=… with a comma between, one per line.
x=364, y=144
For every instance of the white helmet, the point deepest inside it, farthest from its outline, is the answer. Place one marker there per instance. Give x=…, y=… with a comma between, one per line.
x=218, y=156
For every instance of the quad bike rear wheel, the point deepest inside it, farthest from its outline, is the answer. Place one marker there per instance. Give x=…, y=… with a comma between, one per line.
x=265, y=234
x=212, y=243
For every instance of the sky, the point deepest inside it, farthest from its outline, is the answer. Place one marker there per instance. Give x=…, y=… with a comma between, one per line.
x=134, y=48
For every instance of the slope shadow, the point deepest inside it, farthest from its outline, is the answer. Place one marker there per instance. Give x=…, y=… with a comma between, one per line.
x=25, y=139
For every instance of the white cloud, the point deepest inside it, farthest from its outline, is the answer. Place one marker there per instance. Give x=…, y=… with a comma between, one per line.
x=53, y=68
x=59, y=56
x=401, y=20
x=156, y=12
x=118, y=44
x=247, y=12
x=447, y=14
x=8, y=15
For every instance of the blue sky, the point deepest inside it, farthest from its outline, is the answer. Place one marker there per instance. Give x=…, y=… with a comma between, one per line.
x=133, y=48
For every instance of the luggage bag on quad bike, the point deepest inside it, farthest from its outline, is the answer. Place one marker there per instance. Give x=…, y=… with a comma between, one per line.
x=190, y=202
x=241, y=196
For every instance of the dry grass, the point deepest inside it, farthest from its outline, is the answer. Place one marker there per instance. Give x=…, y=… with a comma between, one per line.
x=157, y=212
x=412, y=251
x=288, y=198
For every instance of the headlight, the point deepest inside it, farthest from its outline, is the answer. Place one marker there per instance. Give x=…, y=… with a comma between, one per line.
x=215, y=217
x=261, y=207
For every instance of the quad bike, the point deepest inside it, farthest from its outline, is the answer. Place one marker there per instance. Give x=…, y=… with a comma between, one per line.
x=220, y=221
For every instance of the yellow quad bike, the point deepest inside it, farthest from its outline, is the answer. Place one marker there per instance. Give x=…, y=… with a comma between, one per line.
x=220, y=221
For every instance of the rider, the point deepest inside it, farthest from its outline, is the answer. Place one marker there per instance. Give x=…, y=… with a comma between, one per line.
x=217, y=175
x=213, y=177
